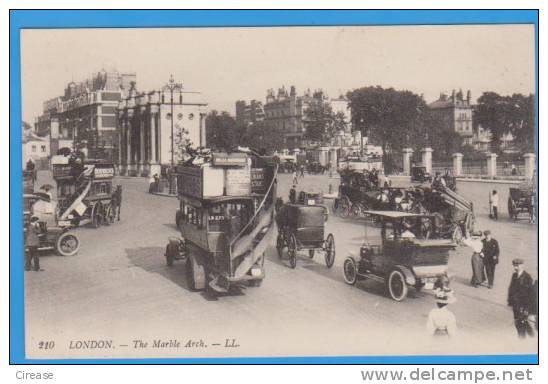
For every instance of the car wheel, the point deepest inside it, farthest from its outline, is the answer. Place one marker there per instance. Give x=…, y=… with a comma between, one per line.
x=196, y=275
x=397, y=287
x=350, y=271
x=67, y=244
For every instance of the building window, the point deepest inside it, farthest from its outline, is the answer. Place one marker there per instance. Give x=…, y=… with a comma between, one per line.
x=43, y=148
x=108, y=110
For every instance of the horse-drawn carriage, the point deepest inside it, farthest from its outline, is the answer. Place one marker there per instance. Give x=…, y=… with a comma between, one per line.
x=360, y=192
x=301, y=227
x=454, y=215
x=409, y=254
x=521, y=202
x=85, y=192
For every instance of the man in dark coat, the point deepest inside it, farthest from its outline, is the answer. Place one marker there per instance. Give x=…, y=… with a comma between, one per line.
x=490, y=257
x=32, y=243
x=519, y=298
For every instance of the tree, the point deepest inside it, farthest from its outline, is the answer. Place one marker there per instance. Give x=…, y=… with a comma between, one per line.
x=389, y=117
x=441, y=138
x=263, y=136
x=507, y=114
x=339, y=123
x=221, y=131
x=318, y=119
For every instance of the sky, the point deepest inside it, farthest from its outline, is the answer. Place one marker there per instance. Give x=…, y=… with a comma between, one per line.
x=229, y=64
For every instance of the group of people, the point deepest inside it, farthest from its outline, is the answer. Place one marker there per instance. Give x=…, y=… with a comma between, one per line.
x=485, y=257
x=298, y=172
x=522, y=292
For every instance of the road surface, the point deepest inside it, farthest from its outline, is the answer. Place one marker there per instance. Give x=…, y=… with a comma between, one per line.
x=117, y=297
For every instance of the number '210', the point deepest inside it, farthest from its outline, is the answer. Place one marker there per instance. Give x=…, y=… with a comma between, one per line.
x=46, y=345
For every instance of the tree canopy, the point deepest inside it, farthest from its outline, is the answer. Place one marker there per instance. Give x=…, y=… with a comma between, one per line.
x=502, y=115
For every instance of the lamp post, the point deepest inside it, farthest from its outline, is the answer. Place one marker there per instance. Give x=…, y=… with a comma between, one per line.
x=171, y=86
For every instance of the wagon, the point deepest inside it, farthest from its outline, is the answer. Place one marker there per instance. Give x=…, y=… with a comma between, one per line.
x=301, y=227
x=521, y=203
x=410, y=254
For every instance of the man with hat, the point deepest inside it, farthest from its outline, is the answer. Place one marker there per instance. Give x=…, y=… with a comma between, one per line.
x=490, y=256
x=519, y=298
x=478, y=274
x=441, y=321
x=32, y=243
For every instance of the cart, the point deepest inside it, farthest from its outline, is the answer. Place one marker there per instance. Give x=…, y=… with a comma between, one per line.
x=301, y=228
x=521, y=203
x=409, y=254
x=84, y=191
x=225, y=215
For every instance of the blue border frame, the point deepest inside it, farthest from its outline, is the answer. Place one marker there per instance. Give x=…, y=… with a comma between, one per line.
x=20, y=19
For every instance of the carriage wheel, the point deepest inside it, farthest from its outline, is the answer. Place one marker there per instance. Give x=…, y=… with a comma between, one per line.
x=350, y=271
x=329, y=250
x=280, y=245
x=292, y=251
x=357, y=210
x=96, y=217
x=345, y=206
x=311, y=253
x=397, y=287
x=67, y=244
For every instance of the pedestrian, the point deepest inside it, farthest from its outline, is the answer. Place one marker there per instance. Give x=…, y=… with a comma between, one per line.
x=534, y=302
x=494, y=203
x=32, y=243
x=519, y=298
x=302, y=170
x=151, y=185
x=116, y=202
x=293, y=194
x=514, y=170
x=441, y=321
x=478, y=273
x=295, y=180
x=491, y=253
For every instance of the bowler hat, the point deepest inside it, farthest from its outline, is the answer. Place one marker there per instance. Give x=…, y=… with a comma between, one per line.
x=487, y=232
x=477, y=233
x=517, y=261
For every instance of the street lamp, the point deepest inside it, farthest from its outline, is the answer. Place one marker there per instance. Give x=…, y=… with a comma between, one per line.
x=171, y=86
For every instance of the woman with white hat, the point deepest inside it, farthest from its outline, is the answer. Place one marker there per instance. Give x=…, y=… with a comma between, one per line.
x=441, y=321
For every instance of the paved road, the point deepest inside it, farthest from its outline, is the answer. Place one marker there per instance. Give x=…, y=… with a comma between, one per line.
x=119, y=288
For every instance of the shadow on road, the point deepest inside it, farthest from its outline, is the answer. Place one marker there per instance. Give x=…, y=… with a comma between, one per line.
x=152, y=260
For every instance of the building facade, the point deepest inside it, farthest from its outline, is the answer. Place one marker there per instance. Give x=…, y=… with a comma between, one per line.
x=247, y=114
x=145, y=122
x=84, y=117
x=285, y=111
x=35, y=148
x=455, y=113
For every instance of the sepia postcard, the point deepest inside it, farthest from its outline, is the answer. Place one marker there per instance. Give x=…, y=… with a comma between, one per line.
x=278, y=191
